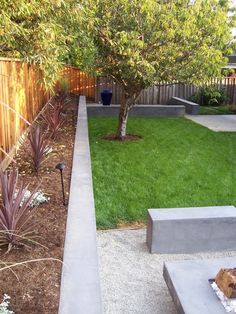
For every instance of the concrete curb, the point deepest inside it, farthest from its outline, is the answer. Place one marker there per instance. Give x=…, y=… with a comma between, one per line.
x=80, y=282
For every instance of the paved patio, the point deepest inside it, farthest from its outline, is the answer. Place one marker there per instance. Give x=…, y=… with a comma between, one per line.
x=217, y=123
x=131, y=277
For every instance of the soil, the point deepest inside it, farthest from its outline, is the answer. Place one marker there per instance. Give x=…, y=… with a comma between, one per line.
x=128, y=137
x=36, y=290
x=131, y=225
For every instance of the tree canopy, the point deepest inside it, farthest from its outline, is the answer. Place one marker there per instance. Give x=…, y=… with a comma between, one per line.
x=39, y=31
x=139, y=43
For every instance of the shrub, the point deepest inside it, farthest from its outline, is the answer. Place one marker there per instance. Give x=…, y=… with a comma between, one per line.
x=38, y=198
x=64, y=85
x=228, y=72
x=209, y=96
x=38, y=149
x=4, y=305
x=61, y=100
x=15, y=226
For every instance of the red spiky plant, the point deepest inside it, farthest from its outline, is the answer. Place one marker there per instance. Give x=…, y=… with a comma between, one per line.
x=16, y=228
x=54, y=115
x=38, y=147
x=53, y=119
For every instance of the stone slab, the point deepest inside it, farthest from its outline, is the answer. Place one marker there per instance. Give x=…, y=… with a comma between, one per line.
x=190, y=230
x=191, y=108
x=80, y=282
x=188, y=284
x=96, y=110
x=217, y=123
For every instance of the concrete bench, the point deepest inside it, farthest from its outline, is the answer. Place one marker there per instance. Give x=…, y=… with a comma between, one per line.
x=190, y=107
x=95, y=110
x=189, y=230
x=189, y=286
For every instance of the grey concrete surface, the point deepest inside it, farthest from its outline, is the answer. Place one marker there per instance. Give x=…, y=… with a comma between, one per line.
x=193, y=229
x=137, y=111
x=217, y=123
x=188, y=284
x=190, y=107
x=132, y=278
x=80, y=282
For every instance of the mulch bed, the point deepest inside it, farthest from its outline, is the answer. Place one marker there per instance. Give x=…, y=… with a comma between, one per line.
x=36, y=290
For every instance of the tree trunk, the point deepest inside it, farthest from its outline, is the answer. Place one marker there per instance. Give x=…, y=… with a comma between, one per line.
x=127, y=102
x=123, y=117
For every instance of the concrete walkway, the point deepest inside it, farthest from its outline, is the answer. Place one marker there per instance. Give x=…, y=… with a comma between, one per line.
x=217, y=123
x=131, y=277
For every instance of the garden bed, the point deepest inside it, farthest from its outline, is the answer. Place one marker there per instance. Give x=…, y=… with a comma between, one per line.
x=37, y=288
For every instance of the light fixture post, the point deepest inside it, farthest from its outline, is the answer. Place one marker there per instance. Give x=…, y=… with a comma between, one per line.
x=61, y=167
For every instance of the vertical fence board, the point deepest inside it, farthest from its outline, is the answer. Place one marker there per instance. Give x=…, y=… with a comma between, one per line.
x=21, y=90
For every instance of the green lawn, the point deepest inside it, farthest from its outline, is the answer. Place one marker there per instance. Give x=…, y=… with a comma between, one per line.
x=224, y=109
x=177, y=163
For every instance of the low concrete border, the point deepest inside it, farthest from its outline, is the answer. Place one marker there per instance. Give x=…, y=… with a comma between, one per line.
x=190, y=107
x=80, y=282
x=95, y=110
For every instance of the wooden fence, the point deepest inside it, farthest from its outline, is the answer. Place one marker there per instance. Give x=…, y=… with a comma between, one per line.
x=22, y=96
x=162, y=93
x=79, y=82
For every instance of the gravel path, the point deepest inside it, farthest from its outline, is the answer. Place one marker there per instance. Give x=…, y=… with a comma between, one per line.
x=131, y=278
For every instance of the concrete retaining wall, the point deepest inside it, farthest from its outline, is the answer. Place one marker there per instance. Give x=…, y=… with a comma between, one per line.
x=80, y=283
x=190, y=107
x=137, y=111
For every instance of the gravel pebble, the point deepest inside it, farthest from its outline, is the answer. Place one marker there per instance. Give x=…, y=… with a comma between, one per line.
x=131, y=277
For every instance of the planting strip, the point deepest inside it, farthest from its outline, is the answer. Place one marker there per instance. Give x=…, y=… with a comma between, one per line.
x=80, y=282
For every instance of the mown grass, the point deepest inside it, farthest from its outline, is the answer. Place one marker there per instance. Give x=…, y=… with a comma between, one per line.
x=177, y=163
x=223, y=109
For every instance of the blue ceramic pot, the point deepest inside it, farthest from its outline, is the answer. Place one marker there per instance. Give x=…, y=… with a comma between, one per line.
x=106, y=96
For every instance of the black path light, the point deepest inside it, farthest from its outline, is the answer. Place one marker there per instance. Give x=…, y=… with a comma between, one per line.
x=61, y=167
